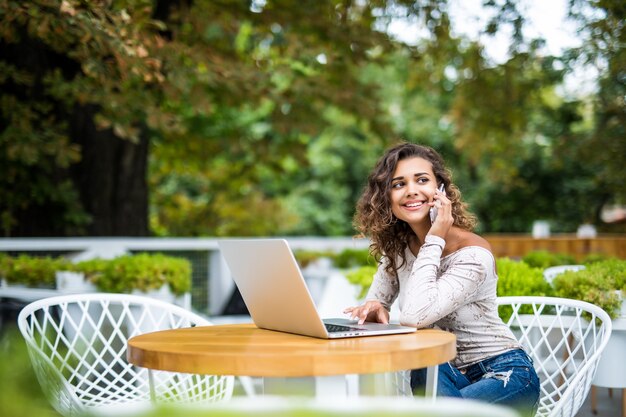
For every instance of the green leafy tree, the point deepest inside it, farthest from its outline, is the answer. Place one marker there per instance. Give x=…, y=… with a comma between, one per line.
x=207, y=91
x=184, y=117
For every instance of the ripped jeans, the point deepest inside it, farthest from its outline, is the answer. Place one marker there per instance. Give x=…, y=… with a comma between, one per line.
x=506, y=379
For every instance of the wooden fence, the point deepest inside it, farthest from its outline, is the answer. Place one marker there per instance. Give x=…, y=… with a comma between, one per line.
x=516, y=246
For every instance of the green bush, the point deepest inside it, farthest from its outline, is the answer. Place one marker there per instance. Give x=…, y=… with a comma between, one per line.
x=4, y=264
x=519, y=278
x=596, y=284
x=592, y=258
x=544, y=259
x=21, y=395
x=93, y=269
x=33, y=271
x=350, y=258
x=142, y=272
x=305, y=257
x=362, y=277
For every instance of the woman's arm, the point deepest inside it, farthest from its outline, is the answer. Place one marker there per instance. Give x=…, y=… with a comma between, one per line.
x=384, y=287
x=428, y=298
x=380, y=296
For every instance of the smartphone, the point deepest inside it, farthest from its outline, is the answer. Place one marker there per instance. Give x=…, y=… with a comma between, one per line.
x=433, y=210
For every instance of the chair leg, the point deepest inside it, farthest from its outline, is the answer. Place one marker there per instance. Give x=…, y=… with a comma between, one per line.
x=610, y=392
x=594, y=404
x=623, y=402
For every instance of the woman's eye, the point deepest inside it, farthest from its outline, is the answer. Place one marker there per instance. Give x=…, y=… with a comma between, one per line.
x=422, y=180
x=397, y=185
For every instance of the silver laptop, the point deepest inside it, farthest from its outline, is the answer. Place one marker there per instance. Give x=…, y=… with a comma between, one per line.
x=273, y=288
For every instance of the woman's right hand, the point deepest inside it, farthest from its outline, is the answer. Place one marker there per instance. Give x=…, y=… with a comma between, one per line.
x=370, y=311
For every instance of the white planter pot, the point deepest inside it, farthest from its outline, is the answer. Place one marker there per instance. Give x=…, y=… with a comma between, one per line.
x=164, y=294
x=622, y=312
x=6, y=284
x=316, y=275
x=73, y=282
x=611, y=371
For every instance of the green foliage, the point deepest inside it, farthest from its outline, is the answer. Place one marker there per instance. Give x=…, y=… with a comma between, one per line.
x=596, y=284
x=349, y=258
x=4, y=264
x=362, y=277
x=298, y=407
x=519, y=278
x=21, y=395
x=306, y=257
x=124, y=274
x=264, y=118
x=592, y=258
x=93, y=269
x=142, y=272
x=33, y=271
x=544, y=259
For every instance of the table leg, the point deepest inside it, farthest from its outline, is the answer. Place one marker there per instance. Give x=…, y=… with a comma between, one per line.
x=431, y=382
x=151, y=384
x=342, y=386
x=337, y=386
x=321, y=386
x=352, y=385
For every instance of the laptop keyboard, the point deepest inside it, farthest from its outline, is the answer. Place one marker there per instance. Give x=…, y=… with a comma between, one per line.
x=334, y=328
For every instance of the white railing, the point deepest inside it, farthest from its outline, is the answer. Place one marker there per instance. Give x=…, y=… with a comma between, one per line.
x=220, y=283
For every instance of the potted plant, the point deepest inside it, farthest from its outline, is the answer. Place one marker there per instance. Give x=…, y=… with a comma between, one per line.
x=602, y=283
x=309, y=258
x=544, y=259
x=155, y=275
x=351, y=258
x=4, y=266
x=360, y=268
x=316, y=266
x=519, y=278
x=362, y=278
x=32, y=271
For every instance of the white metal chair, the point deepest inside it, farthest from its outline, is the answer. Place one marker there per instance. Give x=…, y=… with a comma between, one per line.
x=565, y=339
x=77, y=345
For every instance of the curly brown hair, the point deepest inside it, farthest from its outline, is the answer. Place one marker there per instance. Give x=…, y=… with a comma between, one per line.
x=374, y=217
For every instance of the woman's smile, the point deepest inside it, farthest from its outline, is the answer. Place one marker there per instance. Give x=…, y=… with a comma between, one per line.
x=413, y=186
x=414, y=205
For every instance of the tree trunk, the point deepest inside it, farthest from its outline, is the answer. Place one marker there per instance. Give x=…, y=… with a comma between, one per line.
x=111, y=178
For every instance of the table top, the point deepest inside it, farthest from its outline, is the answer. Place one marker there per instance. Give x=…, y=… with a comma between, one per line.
x=244, y=349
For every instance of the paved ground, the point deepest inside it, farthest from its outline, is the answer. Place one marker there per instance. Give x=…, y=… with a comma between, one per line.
x=607, y=406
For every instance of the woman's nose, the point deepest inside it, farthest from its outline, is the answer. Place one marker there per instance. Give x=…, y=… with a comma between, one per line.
x=411, y=189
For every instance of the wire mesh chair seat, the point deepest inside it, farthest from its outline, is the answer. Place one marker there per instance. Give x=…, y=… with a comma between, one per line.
x=77, y=345
x=565, y=338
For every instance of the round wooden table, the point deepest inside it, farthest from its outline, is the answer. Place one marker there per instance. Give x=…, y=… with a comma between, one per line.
x=245, y=350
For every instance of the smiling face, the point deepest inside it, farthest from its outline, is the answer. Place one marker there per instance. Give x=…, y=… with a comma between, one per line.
x=413, y=185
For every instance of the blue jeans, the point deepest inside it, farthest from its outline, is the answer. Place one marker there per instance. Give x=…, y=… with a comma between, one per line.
x=506, y=379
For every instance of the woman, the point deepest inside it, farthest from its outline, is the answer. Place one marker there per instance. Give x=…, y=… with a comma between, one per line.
x=442, y=275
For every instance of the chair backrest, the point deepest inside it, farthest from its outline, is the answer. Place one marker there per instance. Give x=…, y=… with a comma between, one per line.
x=565, y=338
x=77, y=345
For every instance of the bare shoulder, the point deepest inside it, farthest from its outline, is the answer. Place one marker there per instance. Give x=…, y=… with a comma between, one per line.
x=464, y=239
x=472, y=239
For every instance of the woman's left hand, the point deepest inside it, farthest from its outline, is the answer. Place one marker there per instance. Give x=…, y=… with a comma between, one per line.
x=444, y=220
x=371, y=310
